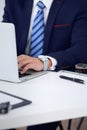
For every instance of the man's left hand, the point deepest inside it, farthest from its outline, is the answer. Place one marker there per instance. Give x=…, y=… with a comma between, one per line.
x=27, y=62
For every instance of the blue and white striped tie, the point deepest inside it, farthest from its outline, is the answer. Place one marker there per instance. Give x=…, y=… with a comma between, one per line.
x=37, y=36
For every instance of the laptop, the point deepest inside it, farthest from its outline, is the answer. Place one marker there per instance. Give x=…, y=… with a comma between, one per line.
x=8, y=56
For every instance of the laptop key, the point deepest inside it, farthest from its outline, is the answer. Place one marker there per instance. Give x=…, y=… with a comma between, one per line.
x=23, y=75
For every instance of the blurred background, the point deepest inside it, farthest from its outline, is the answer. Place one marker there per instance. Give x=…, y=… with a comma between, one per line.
x=2, y=4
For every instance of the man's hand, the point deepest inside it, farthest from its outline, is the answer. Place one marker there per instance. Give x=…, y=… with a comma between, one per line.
x=26, y=62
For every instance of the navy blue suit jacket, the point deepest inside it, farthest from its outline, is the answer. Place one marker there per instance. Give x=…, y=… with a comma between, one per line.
x=65, y=32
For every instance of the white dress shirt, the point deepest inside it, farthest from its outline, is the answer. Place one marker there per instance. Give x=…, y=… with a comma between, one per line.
x=35, y=8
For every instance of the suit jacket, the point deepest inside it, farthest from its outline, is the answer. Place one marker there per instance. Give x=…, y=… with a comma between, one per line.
x=65, y=32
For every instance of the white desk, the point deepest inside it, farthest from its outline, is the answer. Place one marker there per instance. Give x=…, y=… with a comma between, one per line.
x=53, y=99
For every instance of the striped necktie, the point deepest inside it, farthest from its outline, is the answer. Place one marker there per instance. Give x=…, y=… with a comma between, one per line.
x=37, y=35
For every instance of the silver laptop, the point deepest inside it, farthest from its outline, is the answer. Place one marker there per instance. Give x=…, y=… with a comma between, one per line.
x=8, y=56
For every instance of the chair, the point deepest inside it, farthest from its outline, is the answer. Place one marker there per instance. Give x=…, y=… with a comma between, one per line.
x=60, y=126
x=78, y=126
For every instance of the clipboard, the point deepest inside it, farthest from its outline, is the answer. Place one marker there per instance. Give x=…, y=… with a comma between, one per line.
x=6, y=106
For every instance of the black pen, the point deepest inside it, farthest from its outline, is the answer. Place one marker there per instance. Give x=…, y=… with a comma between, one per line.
x=72, y=79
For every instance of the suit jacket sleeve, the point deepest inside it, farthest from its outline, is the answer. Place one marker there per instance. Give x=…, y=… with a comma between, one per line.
x=77, y=51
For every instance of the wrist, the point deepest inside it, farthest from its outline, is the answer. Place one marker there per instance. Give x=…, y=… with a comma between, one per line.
x=49, y=63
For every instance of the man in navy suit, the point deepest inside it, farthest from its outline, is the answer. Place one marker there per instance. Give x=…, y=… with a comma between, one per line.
x=65, y=39
x=65, y=36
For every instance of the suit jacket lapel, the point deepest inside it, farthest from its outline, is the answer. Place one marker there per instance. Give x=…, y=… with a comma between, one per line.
x=27, y=13
x=26, y=16
x=52, y=15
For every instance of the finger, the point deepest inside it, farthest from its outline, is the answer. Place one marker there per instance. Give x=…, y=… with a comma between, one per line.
x=20, y=57
x=26, y=68
x=23, y=60
x=23, y=63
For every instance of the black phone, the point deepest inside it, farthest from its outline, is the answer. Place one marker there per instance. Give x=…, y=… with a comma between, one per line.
x=78, y=68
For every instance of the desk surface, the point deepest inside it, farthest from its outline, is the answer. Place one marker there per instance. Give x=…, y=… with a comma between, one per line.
x=53, y=99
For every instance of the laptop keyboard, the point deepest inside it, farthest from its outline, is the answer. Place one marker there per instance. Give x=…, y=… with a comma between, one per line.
x=25, y=74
